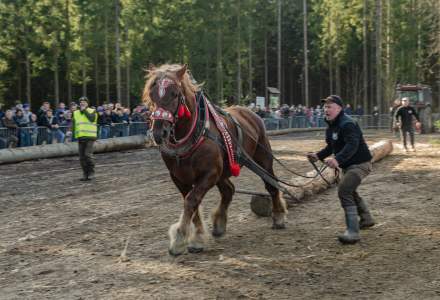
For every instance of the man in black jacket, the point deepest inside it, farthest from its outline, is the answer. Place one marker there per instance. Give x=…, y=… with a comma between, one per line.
x=345, y=140
x=404, y=120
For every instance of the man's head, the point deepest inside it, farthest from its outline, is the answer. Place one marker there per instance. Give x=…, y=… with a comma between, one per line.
x=405, y=101
x=73, y=106
x=61, y=105
x=83, y=102
x=49, y=113
x=34, y=118
x=108, y=111
x=9, y=114
x=397, y=102
x=46, y=105
x=332, y=106
x=26, y=107
x=19, y=113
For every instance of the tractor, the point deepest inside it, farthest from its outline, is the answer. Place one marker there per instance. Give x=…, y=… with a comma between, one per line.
x=420, y=97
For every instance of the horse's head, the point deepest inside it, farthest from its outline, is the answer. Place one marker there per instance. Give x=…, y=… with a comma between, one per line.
x=166, y=93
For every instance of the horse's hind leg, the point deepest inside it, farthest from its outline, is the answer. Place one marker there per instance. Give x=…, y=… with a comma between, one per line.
x=220, y=216
x=279, y=209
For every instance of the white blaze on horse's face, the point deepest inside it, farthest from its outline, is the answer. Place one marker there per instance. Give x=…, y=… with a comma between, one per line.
x=163, y=85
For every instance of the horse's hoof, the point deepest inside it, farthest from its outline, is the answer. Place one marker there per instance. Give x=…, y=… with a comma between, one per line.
x=195, y=249
x=279, y=226
x=218, y=233
x=175, y=254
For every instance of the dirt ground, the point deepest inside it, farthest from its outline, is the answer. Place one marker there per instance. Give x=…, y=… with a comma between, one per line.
x=62, y=239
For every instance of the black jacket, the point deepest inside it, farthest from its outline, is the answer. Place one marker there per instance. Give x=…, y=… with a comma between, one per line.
x=344, y=139
x=405, y=115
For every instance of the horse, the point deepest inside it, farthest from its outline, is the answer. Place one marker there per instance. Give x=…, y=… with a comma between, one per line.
x=195, y=154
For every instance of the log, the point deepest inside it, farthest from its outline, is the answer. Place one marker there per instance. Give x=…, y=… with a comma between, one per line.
x=306, y=187
x=13, y=155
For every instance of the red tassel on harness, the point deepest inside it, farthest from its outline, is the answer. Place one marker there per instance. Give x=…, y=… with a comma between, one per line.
x=181, y=111
x=187, y=112
x=235, y=169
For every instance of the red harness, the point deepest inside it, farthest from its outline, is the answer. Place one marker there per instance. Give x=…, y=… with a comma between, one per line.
x=163, y=114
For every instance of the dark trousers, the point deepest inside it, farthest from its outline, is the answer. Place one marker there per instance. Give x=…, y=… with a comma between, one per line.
x=352, y=178
x=403, y=133
x=86, y=158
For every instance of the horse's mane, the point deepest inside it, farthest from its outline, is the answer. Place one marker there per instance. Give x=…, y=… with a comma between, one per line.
x=169, y=70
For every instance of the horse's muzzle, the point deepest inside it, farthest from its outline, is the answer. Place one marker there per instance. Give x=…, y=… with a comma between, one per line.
x=161, y=131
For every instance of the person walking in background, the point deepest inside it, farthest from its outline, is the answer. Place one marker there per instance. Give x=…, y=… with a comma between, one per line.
x=84, y=128
x=404, y=120
x=345, y=140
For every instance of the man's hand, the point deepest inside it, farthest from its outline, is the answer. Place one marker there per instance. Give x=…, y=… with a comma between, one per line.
x=332, y=163
x=312, y=157
x=398, y=124
x=418, y=126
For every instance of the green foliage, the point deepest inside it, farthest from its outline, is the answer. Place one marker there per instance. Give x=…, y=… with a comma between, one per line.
x=71, y=37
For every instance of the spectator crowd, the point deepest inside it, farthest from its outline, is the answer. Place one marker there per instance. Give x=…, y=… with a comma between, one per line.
x=21, y=127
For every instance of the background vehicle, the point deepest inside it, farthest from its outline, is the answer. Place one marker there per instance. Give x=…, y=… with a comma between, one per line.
x=420, y=97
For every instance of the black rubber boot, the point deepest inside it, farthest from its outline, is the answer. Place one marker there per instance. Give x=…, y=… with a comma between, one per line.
x=85, y=177
x=91, y=175
x=366, y=218
x=351, y=235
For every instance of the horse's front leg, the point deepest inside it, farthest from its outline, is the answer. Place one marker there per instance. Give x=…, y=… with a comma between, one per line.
x=180, y=232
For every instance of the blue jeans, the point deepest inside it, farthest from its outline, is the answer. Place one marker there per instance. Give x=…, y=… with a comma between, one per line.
x=104, y=132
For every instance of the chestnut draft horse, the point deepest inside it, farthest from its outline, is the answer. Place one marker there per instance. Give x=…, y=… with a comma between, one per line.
x=195, y=151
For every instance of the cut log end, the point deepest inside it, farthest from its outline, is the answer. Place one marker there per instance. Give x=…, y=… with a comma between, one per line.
x=261, y=205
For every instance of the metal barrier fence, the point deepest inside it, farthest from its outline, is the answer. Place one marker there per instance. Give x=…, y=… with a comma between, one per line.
x=365, y=122
x=31, y=136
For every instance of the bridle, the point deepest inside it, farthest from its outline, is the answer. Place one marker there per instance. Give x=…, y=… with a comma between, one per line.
x=163, y=114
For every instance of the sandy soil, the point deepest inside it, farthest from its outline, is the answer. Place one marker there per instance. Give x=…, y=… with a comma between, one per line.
x=62, y=239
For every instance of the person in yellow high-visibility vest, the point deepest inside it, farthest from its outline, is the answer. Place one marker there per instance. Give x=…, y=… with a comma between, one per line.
x=84, y=128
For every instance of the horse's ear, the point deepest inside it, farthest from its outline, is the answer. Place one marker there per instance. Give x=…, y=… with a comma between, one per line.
x=181, y=72
x=151, y=67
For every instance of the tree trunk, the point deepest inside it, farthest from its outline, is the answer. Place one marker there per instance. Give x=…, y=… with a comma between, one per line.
x=306, y=60
x=250, y=87
x=96, y=78
x=19, y=80
x=68, y=53
x=266, y=72
x=107, y=60
x=239, y=96
x=365, y=57
x=219, y=58
x=56, y=80
x=84, y=79
x=279, y=47
x=338, y=76
x=127, y=68
x=117, y=52
x=28, y=79
x=379, y=99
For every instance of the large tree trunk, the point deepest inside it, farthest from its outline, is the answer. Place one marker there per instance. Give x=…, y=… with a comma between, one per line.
x=117, y=52
x=266, y=72
x=279, y=47
x=365, y=57
x=68, y=53
x=250, y=77
x=97, y=78
x=379, y=99
x=28, y=79
x=107, y=60
x=306, y=60
x=56, y=80
x=127, y=69
x=338, y=76
x=239, y=93
x=219, y=57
